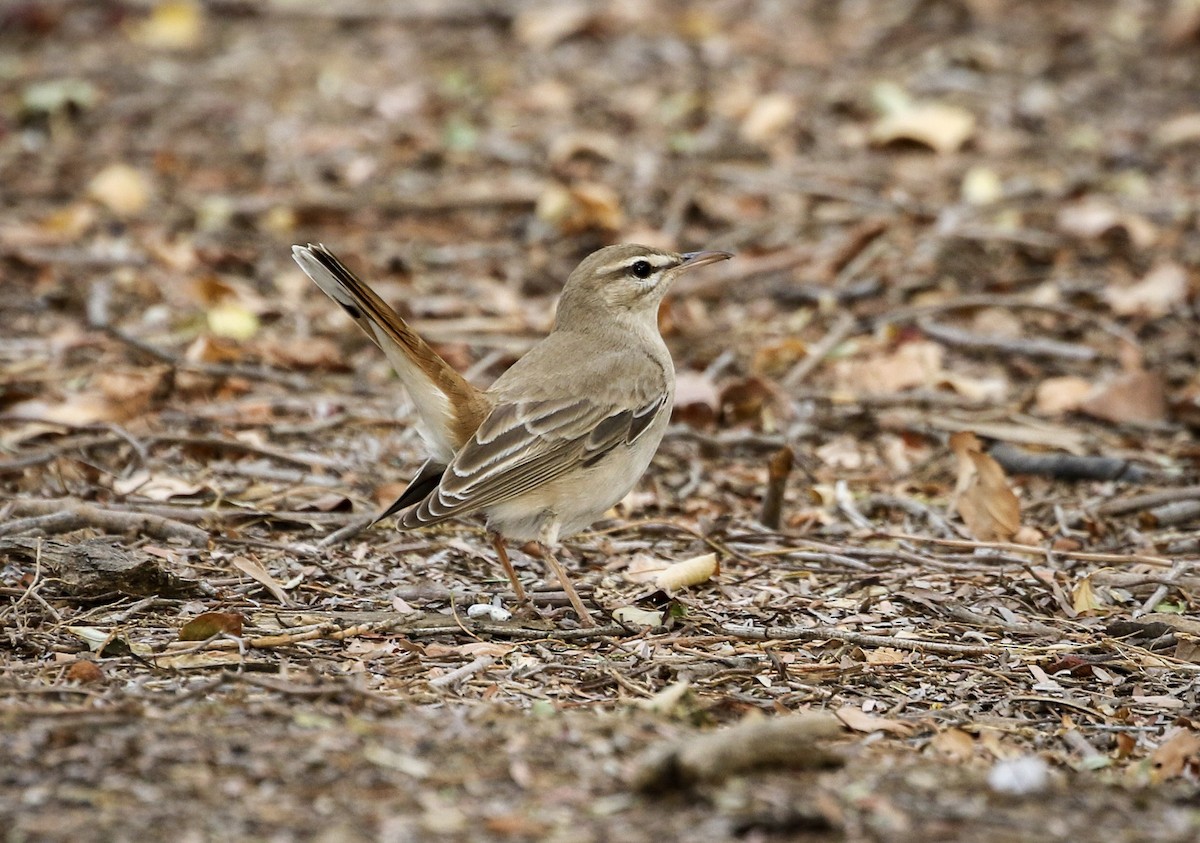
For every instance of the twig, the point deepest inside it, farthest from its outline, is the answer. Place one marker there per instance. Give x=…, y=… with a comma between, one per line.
x=347, y=532
x=1021, y=346
x=778, y=469
x=1177, y=571
x=1067, y=466
x=836, y=335
x=467, y=670
x=1147, y=501
x=1046, y=553
x=826, y=633
x=70, y=515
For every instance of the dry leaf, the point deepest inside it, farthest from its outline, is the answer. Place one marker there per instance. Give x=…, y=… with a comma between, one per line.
x=940, y=127
x=544, y=25
x=1132, y=397
x=156, y=487
x=258, y=573
x=698, y=569
x=697, y=401
x=1083, y=599
x=913, y=364
x=858, y=720
x=1163, y=291
x=981, y=186
x=1179, y=130
x=634, y=616
x=768, y=117
x=211, y=624
x=172, y=25
x=122, y=189
x=982, y=496
x=953, y=745
x=584, y=206
x=84, y=672
x=666, y=700
x=1179, y=755
x=1055, y=396
x=1093, y=218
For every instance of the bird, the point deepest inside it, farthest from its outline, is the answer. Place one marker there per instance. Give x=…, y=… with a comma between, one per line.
x=561, y=436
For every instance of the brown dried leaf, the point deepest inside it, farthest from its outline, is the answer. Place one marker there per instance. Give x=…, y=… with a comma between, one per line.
x=913, y=364
x=260, y=574
x=953, y=745
x=1093, y=217
x=1132, y=397
x=122, y=189
x=210, y=624
x=1161, y=292
x=84, y=672
x=543, y=25
x=982, y=496
x=938, y=126
x=172, y=25
x=858, y=720
x=1179, y=755
x=1055, y=396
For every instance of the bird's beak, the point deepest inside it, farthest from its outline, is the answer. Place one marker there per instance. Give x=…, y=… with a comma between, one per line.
x=694, y=259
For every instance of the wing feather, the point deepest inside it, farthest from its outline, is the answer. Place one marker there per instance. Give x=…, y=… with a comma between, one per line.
x=523, y=445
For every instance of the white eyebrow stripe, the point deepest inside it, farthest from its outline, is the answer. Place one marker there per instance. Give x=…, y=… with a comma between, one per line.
x=623, y=265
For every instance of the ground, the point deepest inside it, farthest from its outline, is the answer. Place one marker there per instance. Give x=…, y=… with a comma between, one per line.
x=935, y=425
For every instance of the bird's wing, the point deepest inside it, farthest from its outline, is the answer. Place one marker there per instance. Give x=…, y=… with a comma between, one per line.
x=449, y=407
x=522, y=445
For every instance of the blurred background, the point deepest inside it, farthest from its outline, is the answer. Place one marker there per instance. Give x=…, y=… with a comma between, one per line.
x=950, y=216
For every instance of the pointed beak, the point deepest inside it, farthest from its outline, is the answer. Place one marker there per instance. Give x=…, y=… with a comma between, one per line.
x=694, y=259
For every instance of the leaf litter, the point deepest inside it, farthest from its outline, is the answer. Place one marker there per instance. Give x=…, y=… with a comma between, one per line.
x=184, y=424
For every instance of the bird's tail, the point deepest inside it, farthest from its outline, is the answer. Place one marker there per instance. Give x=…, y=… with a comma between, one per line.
x=449, y=408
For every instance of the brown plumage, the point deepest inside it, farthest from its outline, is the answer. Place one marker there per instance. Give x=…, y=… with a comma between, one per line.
x=561, y=436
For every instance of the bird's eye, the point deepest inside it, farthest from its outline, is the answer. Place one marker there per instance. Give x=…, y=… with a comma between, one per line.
x=641, y=269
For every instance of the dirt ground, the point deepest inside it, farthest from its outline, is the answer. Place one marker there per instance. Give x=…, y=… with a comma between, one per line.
x=936, y=421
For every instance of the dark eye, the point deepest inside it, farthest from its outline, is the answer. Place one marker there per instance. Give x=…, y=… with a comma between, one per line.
x=641, y=269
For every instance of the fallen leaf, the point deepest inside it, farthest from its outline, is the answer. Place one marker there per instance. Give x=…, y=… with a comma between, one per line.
x=122, y=189
x=1162, y=291
x=1083, y=598
x=543, y=25
x=666, y=700
x=982, y=496
x=1179, y=130
x=858, y=720
x=84, y=672
x=211, y=624
x=1055, y=396
x=258, y=573
x=172, y=25
x=769, y=116
x=953, y=745
x=1179, y=755
x=940, y=127
x=634, y=616
x=584, y=206
x=913, y=364
x=981, y=186
x=697, y=400
x=1092, y=218
x=1137, y=396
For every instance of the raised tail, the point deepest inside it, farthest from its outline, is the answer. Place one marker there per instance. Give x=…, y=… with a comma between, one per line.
x=449, y=408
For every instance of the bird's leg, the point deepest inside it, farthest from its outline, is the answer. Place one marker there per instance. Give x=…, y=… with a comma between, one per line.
x=502, y=552
x=585, y=617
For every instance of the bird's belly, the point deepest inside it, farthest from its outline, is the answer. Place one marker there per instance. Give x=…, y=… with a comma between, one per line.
x=572, y=502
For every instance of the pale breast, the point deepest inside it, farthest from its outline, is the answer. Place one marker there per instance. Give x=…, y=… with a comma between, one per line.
x=571, y=503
